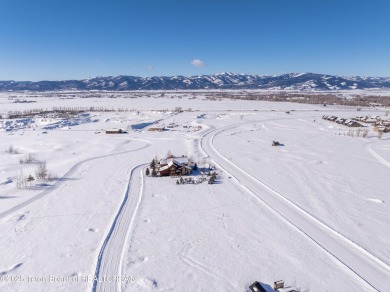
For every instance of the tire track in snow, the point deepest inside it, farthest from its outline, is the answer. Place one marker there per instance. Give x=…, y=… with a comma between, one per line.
x=110, y=258
x=374, y=154
x=366, y=266
x=62, y=180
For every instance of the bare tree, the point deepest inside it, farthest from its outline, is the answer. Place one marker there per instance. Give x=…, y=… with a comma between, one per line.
x=41, y=171
x=21, y=180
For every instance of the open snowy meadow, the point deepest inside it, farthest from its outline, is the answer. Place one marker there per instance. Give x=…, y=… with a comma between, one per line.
x=79, y=213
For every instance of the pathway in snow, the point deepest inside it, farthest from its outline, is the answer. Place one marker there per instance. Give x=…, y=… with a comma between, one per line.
x=378, y=158
x=365, y=265
x=62, y=180
x=110, y=258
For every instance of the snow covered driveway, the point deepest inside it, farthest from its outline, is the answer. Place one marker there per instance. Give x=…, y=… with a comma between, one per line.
x=111, y=254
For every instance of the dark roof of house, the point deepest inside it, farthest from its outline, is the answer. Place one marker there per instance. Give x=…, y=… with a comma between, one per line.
x=256, y=287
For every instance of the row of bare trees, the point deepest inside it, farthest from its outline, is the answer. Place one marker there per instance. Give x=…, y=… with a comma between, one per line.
x=362, y=133
x=44, y=112
x=307, y=98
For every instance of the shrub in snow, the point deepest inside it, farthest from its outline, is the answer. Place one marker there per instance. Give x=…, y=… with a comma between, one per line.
x=12, y=150
x=29, y=158
x=41, y=171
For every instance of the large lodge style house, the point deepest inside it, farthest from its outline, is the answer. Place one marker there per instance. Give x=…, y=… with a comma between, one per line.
x=174, y=166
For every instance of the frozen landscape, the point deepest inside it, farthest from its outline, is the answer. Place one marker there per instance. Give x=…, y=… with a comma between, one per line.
x=313, y=211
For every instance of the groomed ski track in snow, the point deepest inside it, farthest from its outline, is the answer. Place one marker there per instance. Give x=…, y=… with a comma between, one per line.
x=365, y=265
x=110, y=258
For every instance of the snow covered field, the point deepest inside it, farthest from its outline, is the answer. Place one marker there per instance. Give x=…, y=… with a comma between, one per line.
x=313, y=212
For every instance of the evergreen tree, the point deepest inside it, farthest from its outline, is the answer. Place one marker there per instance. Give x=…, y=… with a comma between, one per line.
x=153, y=164
x=147, y=172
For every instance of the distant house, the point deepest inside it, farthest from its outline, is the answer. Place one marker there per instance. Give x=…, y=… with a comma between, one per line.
x=380, y=129
x=353, y=124
x=172, y=125
x=341, y=120
x=369, y=120
x=157, y=129
x=346, y=121
x=330, y=118
x=114, y=131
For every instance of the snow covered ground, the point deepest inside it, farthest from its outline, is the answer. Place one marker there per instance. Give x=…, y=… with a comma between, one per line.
x=100, y=216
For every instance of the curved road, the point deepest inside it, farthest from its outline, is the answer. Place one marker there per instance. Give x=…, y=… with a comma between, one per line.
x=369, y=268
x=110, y=258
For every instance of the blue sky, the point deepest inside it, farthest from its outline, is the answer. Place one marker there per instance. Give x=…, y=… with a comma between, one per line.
x=58, y=39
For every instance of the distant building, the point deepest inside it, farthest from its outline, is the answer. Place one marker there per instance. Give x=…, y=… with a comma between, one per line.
x=114, y=131
x=257, y=287
x=157, y=129
x=353, y=124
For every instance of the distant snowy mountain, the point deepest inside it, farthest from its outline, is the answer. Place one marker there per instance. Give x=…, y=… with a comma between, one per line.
x=295, y=81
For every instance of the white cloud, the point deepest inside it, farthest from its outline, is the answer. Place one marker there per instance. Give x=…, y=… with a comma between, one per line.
x=150, y=68
x=198, y=63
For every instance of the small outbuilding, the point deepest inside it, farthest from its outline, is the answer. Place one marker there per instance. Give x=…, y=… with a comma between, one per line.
x=257, y=287
x=114, y=131
x=157, y=129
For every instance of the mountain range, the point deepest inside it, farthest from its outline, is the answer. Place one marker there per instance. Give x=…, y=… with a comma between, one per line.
x=227, y=80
